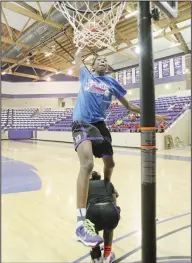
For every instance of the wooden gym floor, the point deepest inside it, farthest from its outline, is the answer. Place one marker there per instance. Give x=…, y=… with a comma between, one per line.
x=39, y=204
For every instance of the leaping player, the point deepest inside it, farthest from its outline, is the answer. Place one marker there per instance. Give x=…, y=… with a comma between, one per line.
x=91, y=136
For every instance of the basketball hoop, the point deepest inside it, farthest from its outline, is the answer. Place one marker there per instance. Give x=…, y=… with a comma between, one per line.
x=93, y=21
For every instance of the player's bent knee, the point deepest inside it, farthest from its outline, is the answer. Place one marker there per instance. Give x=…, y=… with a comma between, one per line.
x=110, y=164
x=87, y=166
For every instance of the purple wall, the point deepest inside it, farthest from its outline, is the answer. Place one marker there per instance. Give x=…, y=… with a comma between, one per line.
x=20, y=134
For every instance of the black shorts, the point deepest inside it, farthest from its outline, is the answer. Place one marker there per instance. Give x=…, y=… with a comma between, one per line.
x=97, y=133
x=104, y=216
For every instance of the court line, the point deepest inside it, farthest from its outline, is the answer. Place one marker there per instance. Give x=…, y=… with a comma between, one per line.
x=159, y=155
x=132, y=153
x=160, y=237
x=134, y=232
x=177, y=259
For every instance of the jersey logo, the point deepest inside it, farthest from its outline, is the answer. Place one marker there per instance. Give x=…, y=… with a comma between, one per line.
x=77, y=138
x=97, y=88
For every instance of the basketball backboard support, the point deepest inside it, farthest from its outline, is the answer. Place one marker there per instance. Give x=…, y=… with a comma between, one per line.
x=170, y=8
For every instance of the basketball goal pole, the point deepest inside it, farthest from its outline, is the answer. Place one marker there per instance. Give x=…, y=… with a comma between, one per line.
x=148, y=134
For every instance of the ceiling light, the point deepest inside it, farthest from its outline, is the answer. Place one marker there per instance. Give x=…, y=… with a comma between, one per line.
x=28, y=62
x=70, y=72
x=73, y=62
x=47, y=54
x=3, y=73
x=137, y=50
x=131, y=14
x=48, y=79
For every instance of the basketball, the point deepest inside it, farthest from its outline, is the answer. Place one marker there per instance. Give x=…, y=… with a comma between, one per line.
x=92, y=26
x=90, y=30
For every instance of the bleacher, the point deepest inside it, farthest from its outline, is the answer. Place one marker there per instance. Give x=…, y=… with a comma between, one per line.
x=22, y=118
x=171, y=106
x=49, y=117
x=61, y=119
x=63, y=122
x=4, y=118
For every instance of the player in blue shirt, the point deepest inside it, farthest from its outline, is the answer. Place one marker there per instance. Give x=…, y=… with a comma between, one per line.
x=91, y=136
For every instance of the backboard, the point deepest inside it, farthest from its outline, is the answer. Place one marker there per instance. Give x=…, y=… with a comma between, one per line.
x=170, y=8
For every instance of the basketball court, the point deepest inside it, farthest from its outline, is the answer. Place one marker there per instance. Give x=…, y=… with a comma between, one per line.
x=39, y=177
x=39, y=204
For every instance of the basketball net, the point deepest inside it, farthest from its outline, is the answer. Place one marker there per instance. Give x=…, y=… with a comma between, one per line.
x=93, y=22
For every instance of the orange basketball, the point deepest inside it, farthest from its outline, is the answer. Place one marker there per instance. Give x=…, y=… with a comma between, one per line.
x=87, y=30
x=93, y=27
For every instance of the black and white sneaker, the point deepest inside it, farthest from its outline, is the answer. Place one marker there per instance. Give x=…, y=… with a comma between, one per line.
x=96, y=255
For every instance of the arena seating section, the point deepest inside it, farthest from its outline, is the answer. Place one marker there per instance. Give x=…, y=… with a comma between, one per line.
x=61, y=119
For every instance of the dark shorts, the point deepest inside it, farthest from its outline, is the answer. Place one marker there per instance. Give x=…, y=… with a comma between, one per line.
x=97, y=133
x=103, y=216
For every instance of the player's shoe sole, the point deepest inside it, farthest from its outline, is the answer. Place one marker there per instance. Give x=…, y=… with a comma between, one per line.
x=87, y=244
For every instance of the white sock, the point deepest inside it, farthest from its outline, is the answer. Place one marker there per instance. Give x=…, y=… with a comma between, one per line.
x=81, y=215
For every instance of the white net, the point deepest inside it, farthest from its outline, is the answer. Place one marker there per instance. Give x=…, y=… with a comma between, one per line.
x=93, y=21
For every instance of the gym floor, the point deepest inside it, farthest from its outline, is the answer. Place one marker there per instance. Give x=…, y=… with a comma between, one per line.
x=39, y=204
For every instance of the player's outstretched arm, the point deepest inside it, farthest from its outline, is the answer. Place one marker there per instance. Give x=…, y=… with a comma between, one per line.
x=129, y=106
x=136, y=109
x=78, y=59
